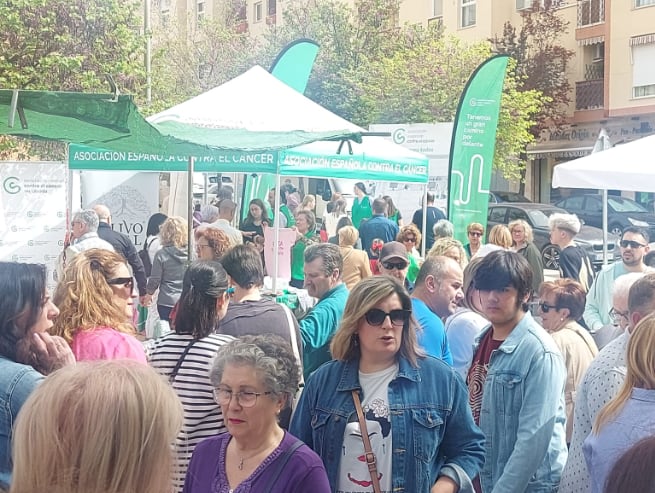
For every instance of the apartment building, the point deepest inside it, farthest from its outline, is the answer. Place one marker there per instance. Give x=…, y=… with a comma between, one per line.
x=612, y=72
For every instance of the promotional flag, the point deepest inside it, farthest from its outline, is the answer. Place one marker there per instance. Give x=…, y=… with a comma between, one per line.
x=472, y=146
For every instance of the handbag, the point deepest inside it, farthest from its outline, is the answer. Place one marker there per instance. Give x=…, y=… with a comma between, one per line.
x=371, y=461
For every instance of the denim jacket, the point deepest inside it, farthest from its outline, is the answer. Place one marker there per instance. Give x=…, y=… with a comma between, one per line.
x=432, y=428
x=17, y=382
x=522, y=415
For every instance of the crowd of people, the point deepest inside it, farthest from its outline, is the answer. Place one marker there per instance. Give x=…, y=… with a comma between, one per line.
x=460, y=371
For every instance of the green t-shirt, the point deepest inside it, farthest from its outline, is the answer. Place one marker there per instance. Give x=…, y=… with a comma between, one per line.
x=361, y=210
x=291, y=221
x=298, y=254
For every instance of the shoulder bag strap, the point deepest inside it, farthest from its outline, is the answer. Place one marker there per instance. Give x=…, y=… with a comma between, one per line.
x=370, y=456
x=281, y=462
x=176, y=368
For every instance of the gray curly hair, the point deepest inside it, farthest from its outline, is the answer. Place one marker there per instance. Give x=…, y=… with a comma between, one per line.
x=270, y=355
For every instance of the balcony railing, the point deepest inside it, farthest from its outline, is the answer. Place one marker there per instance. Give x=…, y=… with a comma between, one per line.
x=590, y=12
x=589, y=94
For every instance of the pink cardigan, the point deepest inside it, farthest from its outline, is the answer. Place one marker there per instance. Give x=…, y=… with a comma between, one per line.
x=107, y=343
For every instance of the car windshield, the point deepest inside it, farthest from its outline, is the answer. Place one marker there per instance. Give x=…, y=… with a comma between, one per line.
x=539, y=219
x=619, y=204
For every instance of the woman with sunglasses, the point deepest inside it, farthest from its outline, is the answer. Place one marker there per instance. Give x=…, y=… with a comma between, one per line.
x=410, y=236
x=414, y=408
x=475, y=232
x=253, y=378
x=561, y=303
x=96, y=304
x=185, y=355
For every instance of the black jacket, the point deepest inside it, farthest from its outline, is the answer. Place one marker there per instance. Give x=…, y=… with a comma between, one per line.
x=123, y=245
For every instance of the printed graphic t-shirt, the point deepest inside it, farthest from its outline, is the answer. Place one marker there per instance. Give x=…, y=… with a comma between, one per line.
x=478, y=372
x=354, y=476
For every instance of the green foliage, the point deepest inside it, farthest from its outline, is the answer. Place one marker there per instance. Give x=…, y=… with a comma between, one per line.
x=71, y=44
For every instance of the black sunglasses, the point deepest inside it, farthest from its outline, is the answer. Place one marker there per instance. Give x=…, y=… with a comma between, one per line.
x=375, y=316
x=475, y=233
x=631, y=244
x=394, y=265
x=545, y=307
x=126, y=282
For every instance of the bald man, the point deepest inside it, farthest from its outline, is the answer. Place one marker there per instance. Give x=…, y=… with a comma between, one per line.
x=226, y=210
x=123, y=245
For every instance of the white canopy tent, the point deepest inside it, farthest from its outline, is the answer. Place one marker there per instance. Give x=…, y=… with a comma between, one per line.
x=629, y=167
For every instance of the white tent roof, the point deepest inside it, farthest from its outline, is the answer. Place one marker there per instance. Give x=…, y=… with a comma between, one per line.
x=629, y=167
x=256, y=101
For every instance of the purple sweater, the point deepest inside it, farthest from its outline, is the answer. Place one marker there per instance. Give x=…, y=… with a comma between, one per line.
x=303, y=472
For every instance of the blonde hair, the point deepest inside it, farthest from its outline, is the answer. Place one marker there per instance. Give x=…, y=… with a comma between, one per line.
x=500, y=235
x=85, y=299
x=407, y=230
x=348, y=236
x=442, y=245
x=306, y=201
x=97, y=427
x=640, y=359
x=174, y=232
x=475, y=227
x=529, y=236
x=365, y=295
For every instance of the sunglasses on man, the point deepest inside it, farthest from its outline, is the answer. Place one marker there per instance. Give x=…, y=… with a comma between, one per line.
x=394, y=265
x=632, y=244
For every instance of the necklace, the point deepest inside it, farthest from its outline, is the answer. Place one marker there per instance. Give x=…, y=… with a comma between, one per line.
x=243, y=459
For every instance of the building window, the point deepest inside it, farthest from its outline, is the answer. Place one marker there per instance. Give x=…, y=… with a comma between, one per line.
x=271, y=7
x=200, y=9
x=644, y=3
x=437, y=8
x=467, y=13
x=257, y=12
x=643, y=70
x=591, y=12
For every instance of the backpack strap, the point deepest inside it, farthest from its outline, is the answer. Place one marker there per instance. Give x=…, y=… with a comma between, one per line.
x=281, y=462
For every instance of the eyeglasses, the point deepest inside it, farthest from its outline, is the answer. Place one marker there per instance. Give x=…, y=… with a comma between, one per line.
x=475, y=233
x=202, y=245
x=244, y=398
x=410, y=240
x=126, y=282
x=394, y=265
x=631, y=244
x=376, y=317
x=545, y=307
x=617, y=316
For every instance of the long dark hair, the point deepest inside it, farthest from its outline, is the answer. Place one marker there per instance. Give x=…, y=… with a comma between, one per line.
x=204, y=283
x=22, y=288
x=155, y=221
x=259, y=203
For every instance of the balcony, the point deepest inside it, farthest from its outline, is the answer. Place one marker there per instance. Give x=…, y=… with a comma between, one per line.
x=241, y=27
x=589, y=94
x=591, y=12
x=270, y=20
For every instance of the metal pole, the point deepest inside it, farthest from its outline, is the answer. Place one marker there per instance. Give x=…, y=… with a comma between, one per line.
x=148, y=33
x=425, y=221
x=190, y=208
x=605, y=227
x=276, y=236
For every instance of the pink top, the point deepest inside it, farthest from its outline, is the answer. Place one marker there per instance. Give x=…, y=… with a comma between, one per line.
x=107, y=343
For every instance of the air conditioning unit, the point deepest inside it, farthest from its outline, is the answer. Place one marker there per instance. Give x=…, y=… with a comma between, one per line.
x=598, y=54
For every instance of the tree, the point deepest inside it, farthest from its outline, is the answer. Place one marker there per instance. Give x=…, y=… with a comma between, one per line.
x=542, y=63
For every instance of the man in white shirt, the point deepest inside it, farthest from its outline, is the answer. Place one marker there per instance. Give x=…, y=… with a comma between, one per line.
x=226, y=211
x=601, y=383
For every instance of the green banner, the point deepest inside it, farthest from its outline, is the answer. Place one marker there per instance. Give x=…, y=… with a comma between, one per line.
x=472, y=146
x=294, y=63
x=92, y=158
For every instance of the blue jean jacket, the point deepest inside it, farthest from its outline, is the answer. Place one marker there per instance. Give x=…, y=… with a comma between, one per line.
x=522, y=415
x=432, y=428
x=17, y=382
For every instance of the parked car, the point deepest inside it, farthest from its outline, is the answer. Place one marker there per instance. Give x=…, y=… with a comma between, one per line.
x=536, y=215
x=497, y=197
x=621, y=212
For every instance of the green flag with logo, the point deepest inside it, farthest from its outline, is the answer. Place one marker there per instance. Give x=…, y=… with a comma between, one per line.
x=472, y=146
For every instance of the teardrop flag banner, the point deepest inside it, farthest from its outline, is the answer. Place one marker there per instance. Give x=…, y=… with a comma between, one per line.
x=472, y=146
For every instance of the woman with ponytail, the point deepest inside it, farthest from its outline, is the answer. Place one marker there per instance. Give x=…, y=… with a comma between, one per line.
x=185, y=356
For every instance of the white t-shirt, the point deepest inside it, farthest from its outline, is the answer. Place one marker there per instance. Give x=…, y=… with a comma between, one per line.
x=354, y=476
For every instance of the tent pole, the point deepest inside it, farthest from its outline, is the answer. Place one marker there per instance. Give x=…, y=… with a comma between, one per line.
x=189, y=188
x=276, y=237
x=425, y=220
x=605, y=227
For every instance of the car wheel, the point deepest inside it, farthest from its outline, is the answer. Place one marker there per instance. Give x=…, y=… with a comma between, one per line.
x=550, y=257
x=616, y=229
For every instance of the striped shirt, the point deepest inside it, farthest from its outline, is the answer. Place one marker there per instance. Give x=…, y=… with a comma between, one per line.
x=202, y=415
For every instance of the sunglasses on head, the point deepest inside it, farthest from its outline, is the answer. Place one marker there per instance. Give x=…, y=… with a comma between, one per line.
x=375, y=316
x=545, y=307
x=631, y=244
x=126, y=282
x=475, y=233
x=394, y=265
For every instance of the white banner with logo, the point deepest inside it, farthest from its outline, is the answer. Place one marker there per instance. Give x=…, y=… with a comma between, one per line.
x=131, y=197
x=33, y=212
